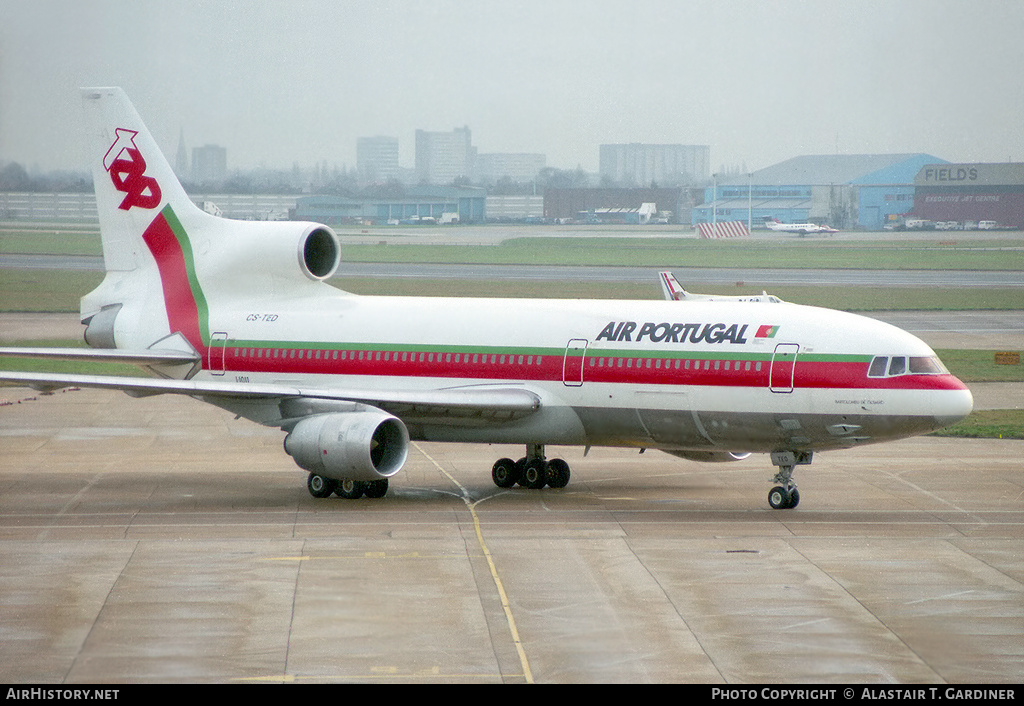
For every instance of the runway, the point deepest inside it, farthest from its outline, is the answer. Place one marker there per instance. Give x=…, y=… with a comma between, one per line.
x=688, y=276
x=161, y=540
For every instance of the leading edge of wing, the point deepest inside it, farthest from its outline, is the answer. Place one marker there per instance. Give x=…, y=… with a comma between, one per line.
x=514, y=401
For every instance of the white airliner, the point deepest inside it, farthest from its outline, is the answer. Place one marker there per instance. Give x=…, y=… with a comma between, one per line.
x=801, y=228
x=238, y=314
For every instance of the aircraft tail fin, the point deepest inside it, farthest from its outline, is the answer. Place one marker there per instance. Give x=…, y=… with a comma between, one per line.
x=171, y=265
x=670, y=287
x=134, y=182
x=141, y=206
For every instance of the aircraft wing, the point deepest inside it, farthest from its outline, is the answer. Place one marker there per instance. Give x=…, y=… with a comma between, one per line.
x=470, y=404
x=105, y=355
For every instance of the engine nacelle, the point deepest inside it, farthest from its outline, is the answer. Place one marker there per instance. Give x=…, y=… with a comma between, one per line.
x=363, y=446
x=274, y=251
x=709, y=456
x=99, y=328
x=319, y=252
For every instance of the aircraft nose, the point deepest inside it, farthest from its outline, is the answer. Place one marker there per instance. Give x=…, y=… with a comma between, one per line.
x=952, y=406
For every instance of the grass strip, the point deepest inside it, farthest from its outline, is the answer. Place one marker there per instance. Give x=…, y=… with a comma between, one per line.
x=988, y=424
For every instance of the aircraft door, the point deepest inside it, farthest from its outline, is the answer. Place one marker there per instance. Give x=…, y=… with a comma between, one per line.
x=780, y=378
x=218, y=346
x=572, y=364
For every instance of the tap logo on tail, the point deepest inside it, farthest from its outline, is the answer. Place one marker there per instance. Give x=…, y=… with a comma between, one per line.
x=127, y=170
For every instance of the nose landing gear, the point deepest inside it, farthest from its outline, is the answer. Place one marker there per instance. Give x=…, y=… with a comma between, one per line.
x=785, y=496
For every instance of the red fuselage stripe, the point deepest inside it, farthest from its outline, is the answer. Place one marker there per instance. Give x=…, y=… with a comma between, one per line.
x=182, y=311
x=633, y=371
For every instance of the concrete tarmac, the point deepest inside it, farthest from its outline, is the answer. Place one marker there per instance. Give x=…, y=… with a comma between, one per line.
x=161, y=540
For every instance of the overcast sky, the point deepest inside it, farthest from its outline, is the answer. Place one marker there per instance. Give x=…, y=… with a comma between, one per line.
x=279, y=83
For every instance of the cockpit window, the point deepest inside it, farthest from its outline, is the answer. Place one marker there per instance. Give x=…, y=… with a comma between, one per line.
x=884, y=366
x=927, y=365
x=897, y=365
x=878, y=366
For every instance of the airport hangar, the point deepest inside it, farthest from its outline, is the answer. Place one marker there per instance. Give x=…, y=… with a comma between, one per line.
x=844, y=191
x=973, y=192
x=469, y=203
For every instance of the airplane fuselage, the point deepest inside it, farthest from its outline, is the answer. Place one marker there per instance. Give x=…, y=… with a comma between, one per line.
x=726, y=376
x=800, y=228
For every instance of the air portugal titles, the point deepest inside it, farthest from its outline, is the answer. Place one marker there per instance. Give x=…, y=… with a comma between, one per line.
x=680, y=333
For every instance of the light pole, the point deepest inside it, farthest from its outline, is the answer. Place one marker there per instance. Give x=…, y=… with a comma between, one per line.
x=714, y=203
x=750, y=201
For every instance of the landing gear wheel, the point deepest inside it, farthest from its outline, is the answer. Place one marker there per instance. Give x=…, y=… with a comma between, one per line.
x=781, y=499
x=505, y=473
x=376, y=488
x=521, y=471
x=558, y=473
x=535, y=475
x=778, y=497
x=319, y=486
x=350, y=489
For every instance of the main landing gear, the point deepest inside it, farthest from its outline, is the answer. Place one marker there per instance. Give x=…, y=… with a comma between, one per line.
x=533, y=471
x=322, y=487
x=785, y=496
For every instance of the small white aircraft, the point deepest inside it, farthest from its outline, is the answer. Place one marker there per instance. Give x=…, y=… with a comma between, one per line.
x=239, y=315
x=801, y=228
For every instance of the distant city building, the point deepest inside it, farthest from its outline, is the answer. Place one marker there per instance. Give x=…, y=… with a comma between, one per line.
x=443, y=157
x=518, y=167
x=377, y=159
x=181, y=158
x=637, y=164
x=209, y=164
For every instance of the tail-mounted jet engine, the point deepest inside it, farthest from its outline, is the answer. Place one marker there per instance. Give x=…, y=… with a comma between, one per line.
x=270, y=251
x=360, y=446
